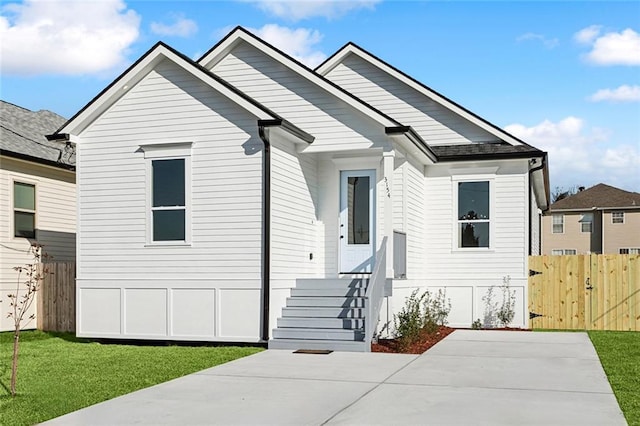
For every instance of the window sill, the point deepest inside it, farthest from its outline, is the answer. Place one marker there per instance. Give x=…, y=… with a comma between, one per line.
x=473, y=250
x=168, y=244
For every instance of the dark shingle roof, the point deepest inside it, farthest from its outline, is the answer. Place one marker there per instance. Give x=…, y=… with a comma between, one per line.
x=486, y=150
x=598, y=196
x=22, y=134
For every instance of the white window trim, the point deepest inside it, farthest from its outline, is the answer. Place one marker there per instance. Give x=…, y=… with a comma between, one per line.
x=583, y=220
x=167, y=151
x=455, y=180
x=552, y=224
x=617, y=223
x=12, y=224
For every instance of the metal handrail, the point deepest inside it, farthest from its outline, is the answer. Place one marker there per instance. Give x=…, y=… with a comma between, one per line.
x=373, y=295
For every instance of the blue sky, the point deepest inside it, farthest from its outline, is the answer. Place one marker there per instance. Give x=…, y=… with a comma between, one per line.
x=563, y=76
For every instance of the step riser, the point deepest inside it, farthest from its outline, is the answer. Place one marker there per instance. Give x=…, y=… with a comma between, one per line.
x=322, y=312
x=319, y=344
x=312, y=283
x=318, y=334
x=343, y=324
x=327, y=292
x=332, y=302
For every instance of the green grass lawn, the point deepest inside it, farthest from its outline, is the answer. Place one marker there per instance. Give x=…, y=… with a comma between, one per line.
x=619, y=353
x=58, y=373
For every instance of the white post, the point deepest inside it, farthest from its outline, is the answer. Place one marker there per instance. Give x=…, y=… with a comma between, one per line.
x=388, y=159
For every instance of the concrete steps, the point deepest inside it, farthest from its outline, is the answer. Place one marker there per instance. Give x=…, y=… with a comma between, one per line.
x=323, y=314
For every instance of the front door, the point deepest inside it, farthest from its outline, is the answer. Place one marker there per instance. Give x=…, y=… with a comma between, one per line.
x=357, y=220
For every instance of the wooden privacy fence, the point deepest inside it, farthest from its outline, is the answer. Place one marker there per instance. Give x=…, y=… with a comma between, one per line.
x=57, y=298
x=585, y=292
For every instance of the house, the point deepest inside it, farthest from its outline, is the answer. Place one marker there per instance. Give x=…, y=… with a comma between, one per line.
x=602, y=219
x=38, y=196
x=246, y=197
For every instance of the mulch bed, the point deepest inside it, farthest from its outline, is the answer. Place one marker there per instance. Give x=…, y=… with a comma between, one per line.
x=426, y=341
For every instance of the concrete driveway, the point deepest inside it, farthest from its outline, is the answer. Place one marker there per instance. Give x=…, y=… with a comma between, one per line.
x=471, y=377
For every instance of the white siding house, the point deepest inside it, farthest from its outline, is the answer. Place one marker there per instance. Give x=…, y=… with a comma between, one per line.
x=249, y=198
x=37, y=197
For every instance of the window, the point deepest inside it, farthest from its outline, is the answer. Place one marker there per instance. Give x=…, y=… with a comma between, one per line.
x=586, y=222
x=168, y=206
x=24, y=210
x=617, y=217
x=563, y=252
x=635, y=250
x=558, y=224
x=473, y=214
x=168, y=192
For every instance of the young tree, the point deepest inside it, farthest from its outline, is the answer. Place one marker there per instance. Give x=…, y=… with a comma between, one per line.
x=560, y=193
x=30, y=276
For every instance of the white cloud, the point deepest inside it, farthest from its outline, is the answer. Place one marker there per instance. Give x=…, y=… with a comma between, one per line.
x=549, y=43
x=579, y=155
x=65, y=36
x=295, y=10
x=587, y=35
x=298, y=42
x=611, y=48
x=182, y=27
x=623, y=93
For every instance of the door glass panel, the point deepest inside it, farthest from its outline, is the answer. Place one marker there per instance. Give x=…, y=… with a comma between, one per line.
x=358, y=209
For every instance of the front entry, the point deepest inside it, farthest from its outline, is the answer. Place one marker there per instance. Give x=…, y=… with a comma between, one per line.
x=357, y=220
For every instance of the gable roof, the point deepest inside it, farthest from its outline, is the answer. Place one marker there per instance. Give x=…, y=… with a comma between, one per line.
x=353, y=49
x=23, y=136
x=599, y=196
x=490, y=150
x=132, y=75
x=239, y=34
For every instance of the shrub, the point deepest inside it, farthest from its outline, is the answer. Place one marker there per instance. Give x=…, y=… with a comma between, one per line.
x=421, y=313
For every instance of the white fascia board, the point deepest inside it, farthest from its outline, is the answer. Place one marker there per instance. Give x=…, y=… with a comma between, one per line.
x=133, y=76
x=239, y=35
x=337, y=58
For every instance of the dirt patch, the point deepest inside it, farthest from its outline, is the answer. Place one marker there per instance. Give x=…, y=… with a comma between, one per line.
x=426, y=341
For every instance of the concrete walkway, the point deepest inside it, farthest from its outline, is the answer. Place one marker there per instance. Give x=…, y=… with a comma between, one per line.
x=471, y=377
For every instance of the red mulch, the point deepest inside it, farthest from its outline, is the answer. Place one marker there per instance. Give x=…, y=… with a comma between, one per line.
x=425, y=342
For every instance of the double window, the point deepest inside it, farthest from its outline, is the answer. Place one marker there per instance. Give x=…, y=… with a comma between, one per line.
x=24, y=210
x=563, y=252
x=631, y=250
x=168, y=192
x=557, y=224
x=474, y=218
x=617, y=217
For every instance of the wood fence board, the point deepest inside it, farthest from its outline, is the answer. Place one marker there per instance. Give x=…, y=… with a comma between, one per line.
x=56, y=299
x=600, y=292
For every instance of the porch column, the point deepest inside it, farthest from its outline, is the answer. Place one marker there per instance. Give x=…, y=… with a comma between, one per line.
x=388, y=160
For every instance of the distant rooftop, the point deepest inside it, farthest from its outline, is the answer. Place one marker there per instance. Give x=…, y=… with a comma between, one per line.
x=22, y=135
x=598, y=196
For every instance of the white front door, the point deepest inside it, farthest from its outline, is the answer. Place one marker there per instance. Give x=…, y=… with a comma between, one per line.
x=357, y=220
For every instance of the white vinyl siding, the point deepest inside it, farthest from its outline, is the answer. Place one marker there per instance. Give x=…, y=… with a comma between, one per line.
x=433, y=122
x=294, y=196
x=221, y=268
x=335, y=125
x=55, y=221
x=535, y=219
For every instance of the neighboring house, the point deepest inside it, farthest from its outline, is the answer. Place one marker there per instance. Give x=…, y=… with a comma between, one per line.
x=37, y=195
x=601, y=219
x=246, y=197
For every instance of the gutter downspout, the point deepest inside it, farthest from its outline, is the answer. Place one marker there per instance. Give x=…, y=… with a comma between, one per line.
x=543, y=164
x=266, y=226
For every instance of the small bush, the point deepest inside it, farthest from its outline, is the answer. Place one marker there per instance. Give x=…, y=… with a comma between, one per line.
x=476, y=325
x=422, y=313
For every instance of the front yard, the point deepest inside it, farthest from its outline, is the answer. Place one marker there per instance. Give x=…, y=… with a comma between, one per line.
x=619, y=353
x=58, y=373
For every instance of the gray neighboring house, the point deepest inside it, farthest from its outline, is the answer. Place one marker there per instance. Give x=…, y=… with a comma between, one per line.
x=37, y=194
x=601, y=219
